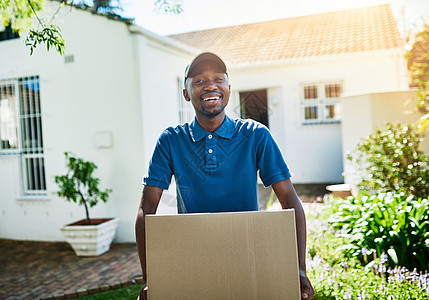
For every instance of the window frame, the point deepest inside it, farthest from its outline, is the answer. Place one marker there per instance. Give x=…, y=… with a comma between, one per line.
x=28, y=154
x=8, y=33
x=13, y=83
x=186, y=110
x=320, y=103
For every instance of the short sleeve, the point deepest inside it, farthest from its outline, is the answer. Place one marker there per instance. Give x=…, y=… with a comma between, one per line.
x=160, y=167
x=271, y=164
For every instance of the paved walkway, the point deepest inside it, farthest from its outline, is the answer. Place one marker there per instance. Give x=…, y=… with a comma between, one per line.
x=41, y=270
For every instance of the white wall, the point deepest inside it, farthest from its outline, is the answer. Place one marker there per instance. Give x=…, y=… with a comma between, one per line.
x=314, y=152
x=364, y=113
x=110, y=89
x=161, y=68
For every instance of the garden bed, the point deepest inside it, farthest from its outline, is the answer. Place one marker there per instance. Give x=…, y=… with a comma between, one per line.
x=338, y=271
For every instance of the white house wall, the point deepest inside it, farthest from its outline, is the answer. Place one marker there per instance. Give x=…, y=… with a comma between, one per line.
x=314, y=152
x=161, y=90
x=364, y=113
x=104, y=82
x=106, y=106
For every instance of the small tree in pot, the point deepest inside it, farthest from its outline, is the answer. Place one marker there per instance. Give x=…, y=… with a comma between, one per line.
x=91, y=236
x=79, y=186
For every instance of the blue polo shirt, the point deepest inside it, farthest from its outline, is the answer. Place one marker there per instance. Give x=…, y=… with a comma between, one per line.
x=216, y=172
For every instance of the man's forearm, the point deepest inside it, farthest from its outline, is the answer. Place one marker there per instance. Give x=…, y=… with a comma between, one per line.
x=288, y=199
x=141, y=241
x=301, y=234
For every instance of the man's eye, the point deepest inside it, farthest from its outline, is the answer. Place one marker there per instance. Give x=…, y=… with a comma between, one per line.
x=199, y=81
x=219, y=80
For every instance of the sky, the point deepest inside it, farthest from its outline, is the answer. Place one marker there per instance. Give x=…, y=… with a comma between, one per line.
x=201, y=14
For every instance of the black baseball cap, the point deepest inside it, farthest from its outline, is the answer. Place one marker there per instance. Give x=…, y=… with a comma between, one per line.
x=205, y=56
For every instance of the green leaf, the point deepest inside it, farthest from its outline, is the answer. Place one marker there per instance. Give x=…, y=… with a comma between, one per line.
x=392, y=253
x=79, y=185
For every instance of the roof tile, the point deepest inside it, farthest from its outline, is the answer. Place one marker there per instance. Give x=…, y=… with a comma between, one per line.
x=354, y=30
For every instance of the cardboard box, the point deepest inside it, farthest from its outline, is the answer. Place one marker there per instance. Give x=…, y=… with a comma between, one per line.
x=242, y=255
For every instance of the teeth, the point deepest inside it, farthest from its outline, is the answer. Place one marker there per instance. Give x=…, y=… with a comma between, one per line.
x=211, y=98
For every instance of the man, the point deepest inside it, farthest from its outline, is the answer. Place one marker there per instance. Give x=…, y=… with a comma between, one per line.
x=215, y=160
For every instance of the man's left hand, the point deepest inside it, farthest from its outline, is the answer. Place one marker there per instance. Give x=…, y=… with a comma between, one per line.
x=307, y=290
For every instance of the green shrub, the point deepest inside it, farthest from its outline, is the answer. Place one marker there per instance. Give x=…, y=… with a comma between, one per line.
x=336, y=275
x=384, y=223
x=391, y=160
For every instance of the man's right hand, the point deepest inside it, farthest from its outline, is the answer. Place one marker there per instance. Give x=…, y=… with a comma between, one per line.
x=143, y=293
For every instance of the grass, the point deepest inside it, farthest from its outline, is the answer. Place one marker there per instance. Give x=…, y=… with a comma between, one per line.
x=123, y=293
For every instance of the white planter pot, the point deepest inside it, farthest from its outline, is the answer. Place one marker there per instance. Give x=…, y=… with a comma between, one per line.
x=91, y=240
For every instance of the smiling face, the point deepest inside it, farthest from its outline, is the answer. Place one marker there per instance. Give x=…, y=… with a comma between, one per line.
x=207, y=87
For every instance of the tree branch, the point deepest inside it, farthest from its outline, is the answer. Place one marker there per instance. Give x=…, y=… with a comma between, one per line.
x=35, y=13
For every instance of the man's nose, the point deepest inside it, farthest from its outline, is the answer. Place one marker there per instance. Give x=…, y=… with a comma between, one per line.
x=210, y=86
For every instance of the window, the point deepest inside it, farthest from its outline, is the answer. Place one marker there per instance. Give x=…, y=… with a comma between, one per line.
x=186, y=110
x=8, y=116
x=310, y=92
x=7, y=33
x=21, y=130
x=321, y=102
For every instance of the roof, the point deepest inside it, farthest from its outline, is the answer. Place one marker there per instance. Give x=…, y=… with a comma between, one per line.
x=347, y=31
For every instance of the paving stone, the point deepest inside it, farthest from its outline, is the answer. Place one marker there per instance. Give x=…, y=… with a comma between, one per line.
x=115, y=285
x=94, y=290
x=127, y=283
x=58, y=297
x=104, y=288
x=81, y=292
x=70, y=294
x=35, y=270
x=138, y=280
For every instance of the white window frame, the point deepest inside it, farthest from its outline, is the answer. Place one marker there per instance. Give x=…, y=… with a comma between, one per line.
x=31, y=153
x=320, y=103
x=15, y=109
x=186, y=110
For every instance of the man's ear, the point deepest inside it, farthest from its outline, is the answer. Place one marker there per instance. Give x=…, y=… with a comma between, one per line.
x=186, y=95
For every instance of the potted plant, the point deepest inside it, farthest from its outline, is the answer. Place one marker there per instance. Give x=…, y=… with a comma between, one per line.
x=88, y=237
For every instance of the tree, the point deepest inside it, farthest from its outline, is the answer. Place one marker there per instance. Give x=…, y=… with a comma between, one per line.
x=418, y=66
x=169, y=6
x=79, y=185
x=21, y=14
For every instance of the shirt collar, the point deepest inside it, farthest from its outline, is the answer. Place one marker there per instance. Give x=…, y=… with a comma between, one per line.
x=226, y=130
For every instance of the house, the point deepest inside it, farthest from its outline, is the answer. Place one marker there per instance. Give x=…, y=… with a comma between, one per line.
x=119, y=86
x=107, y=100
x=291, y=74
